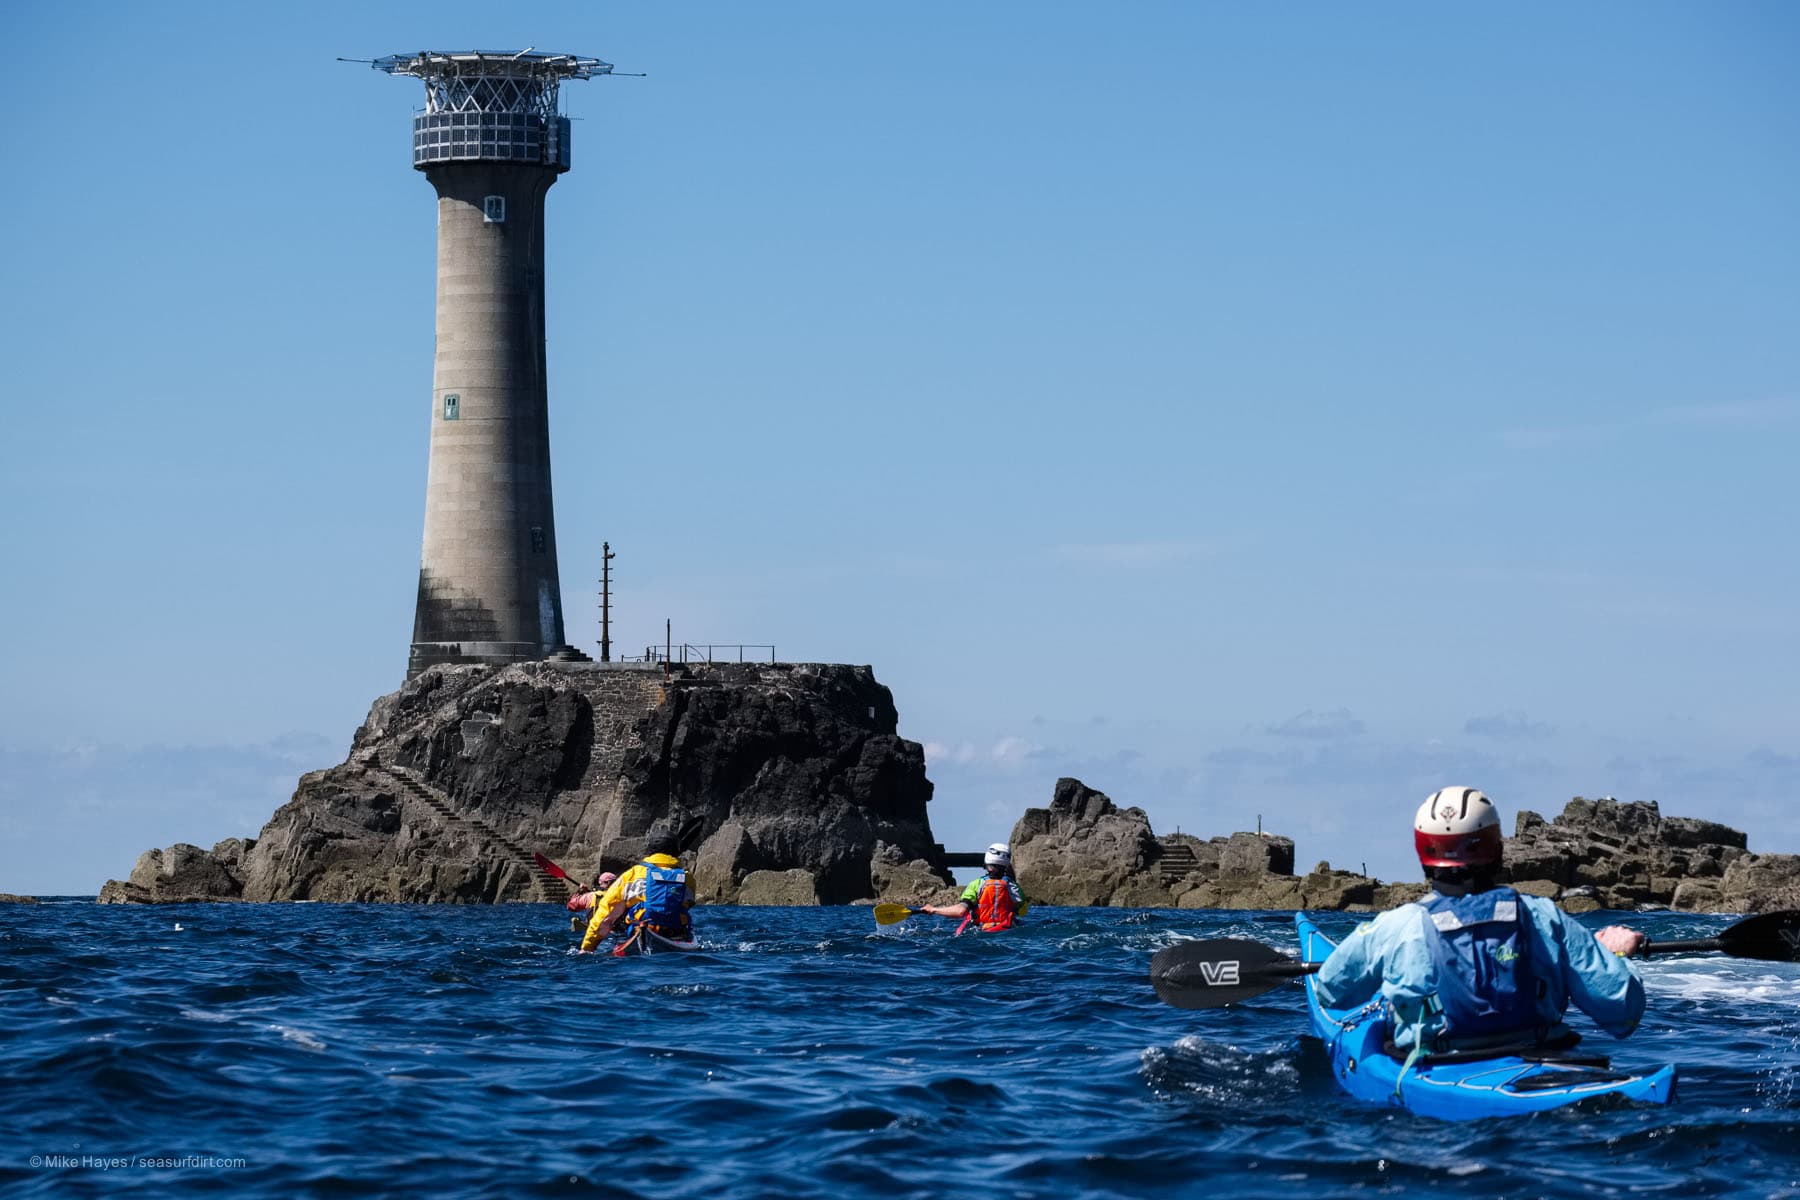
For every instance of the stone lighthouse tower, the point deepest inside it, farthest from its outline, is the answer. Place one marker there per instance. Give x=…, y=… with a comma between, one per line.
x=491, y=140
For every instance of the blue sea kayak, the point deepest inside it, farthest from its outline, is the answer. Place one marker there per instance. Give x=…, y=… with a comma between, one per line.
x=1460, y=1090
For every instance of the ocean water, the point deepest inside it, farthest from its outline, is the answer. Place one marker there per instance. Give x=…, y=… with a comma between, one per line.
x=356, y=1049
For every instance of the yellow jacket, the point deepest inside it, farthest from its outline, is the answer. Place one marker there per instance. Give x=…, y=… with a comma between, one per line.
x=626, y=890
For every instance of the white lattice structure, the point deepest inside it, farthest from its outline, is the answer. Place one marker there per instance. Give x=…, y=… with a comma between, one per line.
x=483, y=105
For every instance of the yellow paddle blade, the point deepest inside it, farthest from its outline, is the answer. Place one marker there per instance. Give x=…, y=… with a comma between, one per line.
x=888, y=914
x=1024, y=907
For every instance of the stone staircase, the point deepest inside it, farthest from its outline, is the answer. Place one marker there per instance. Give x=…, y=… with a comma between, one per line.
x=1176, y=861
x=415, y=788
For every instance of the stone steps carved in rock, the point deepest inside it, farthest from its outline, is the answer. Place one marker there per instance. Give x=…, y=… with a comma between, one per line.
x=440, y=804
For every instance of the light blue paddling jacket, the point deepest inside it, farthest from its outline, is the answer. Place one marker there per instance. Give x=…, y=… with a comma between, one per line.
x=1390, y=955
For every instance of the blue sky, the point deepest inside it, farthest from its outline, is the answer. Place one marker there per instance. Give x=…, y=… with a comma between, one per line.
x=1246, y=411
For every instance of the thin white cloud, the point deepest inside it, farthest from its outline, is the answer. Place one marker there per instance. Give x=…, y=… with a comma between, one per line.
x=1010, y=751
x=1338, y=723
x=1510, y=726
x=1136, y=554
x=1739, y=414
x=1747, y=415
x=1005, y=752
x=1544, y=436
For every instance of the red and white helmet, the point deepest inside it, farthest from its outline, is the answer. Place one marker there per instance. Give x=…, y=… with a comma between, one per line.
x=1457, y=827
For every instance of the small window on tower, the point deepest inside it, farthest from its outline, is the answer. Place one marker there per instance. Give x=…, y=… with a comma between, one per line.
x=537, y=539
x=493, y=209
x=452, y=406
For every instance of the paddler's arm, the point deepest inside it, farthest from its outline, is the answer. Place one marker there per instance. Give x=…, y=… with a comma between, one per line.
x=606, y=914
x=1352, y=974
x=963, y=906
x=1600, y=982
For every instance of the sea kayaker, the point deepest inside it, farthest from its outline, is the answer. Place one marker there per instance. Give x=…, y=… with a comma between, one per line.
x=1476, y=964
x=587, y=897
x=992, y=902
x=652, y=898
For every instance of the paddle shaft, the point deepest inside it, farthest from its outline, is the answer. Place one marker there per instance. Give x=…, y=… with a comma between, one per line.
x=688, y=831
x=555, y=872
x=1683, y=946
x=1214, y=972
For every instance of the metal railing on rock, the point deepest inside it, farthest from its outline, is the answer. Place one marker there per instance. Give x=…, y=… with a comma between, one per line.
x=711, y=652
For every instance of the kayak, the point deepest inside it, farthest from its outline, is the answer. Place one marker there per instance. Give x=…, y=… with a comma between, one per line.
x=646, y=941
x=1458, y=1087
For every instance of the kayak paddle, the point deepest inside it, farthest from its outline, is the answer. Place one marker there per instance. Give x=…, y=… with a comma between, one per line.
x=1221, y=971
x=689, y=830
x=890, y=914
x=552, y=870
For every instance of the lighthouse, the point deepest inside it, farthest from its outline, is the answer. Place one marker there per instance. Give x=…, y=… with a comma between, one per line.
x=491, y=140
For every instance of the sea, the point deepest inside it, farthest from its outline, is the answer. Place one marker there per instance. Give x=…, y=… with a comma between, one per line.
x=347, y=1050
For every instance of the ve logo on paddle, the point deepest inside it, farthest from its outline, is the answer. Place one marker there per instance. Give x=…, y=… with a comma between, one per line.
x=1219, y=974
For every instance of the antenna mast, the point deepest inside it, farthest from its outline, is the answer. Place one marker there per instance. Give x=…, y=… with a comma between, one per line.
x=606, y=557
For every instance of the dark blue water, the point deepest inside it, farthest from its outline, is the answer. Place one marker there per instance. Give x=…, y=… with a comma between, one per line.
x=315, y=1049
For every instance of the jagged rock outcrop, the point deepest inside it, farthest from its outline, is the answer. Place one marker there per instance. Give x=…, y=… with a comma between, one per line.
x=908, y=881
x=1084, y=849
x=182, y=874
x=1608, y=854
x=9, y=898
x=792, y=887
x=1320, y=889
x=455, y=779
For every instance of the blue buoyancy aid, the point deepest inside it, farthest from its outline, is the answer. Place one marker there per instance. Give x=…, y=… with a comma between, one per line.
x=1481, y=949
x=664, y=904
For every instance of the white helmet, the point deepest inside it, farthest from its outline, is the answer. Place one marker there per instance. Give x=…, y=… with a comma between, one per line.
x=997, y=855
x=1457, y=827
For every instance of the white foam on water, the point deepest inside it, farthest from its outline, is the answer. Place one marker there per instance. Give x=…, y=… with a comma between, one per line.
x=1733, y=983
x=686, y=989
x=62, y=1001
x=200, y=1014
x=298, y=1036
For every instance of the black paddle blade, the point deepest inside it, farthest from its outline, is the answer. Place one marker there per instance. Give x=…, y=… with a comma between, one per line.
x=1774, y=937
x=1220, y=971
x=690, y=830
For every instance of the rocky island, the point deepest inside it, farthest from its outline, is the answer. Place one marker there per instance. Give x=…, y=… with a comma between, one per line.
x=801, y=791
x=1595, y=854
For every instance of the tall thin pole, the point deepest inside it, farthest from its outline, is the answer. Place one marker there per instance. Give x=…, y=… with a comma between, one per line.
x=606, y=557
